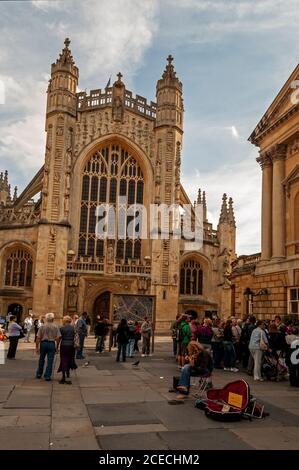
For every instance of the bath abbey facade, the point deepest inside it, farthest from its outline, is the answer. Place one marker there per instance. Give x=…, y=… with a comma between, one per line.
x=100, y=146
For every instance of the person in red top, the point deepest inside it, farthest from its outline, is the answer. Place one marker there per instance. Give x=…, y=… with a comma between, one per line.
x=137, y=335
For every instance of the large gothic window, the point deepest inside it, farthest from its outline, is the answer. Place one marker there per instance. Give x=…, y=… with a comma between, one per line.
x=111, y=172
x=18, y=268
x=191, y=278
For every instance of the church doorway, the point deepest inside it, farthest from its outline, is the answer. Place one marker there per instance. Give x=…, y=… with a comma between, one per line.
x=15, y=309
x=102, y=305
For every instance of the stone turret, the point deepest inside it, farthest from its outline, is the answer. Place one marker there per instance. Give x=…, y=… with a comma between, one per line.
x=5, y=196
x=169, y=98
x=63, y=83
x=227, y=227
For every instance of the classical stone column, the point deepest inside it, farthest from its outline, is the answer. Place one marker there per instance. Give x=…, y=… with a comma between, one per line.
x=266, y=219
x=278, y=202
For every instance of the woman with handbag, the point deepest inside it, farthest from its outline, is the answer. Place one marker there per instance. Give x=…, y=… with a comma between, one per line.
x=257, y=346
x=14, y=334
x=67, y=350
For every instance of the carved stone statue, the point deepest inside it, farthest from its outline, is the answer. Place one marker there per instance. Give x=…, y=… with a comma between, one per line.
x=72, y=298
x=110, y=254
x=117, y=110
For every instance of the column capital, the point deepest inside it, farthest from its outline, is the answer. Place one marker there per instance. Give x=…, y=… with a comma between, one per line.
x=278, y=152
x=264, y=160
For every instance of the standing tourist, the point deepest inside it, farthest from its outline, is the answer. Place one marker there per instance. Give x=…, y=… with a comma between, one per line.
x=229, y=349
x=205, y=334
x=257, y=345
x=237, y=331
x=137, y=336
x=131, y=343
x=122, y=338
x=14, y=331
x=81, y=329
x=88, y=323
x=67, y=350
x=37, y=324
x=48, y=338
x=184, y=338
x=101, y=331
x=146, y=333
x=217, y=343
x=28, y=325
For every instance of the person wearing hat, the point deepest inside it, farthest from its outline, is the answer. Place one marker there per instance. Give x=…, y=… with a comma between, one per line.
x=131, y=342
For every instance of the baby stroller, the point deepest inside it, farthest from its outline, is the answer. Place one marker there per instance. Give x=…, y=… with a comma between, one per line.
x=273, y=367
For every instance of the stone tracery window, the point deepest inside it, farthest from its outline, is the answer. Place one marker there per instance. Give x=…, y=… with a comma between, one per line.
x=18, y=268
x=191, y=278
x=109, y=173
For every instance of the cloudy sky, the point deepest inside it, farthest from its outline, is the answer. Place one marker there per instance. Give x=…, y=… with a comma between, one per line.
x=232, y=56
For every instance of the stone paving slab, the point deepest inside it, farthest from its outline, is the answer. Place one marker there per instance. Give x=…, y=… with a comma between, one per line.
x=209, y=439
x=128, y=429
x=74, y=443
x=142, y=394
x=69, y=410
x=71, y=427
x=5, y=390
x=25, y=411
x=140, y=441
x=18, y=439
x=279, y=438
x=112, y=415
x=8, y=421
x=281, y=415
x=29, y=397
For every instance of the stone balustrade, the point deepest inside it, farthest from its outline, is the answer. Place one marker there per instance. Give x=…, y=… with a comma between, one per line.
x=102, y=98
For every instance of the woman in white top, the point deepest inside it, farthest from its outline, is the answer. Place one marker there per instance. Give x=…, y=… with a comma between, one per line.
x=14, y=331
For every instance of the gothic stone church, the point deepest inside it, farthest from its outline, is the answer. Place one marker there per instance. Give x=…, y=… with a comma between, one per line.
x=99, y=147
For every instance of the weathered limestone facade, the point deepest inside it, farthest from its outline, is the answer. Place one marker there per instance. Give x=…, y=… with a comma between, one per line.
x=276, y=268
x=98, y=147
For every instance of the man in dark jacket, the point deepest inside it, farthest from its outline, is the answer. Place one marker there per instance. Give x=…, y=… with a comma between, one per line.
x=101, y=330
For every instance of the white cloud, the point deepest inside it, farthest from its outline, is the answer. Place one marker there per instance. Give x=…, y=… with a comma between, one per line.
x=47, y=5
x=107, y=36
x=235, y=132
x=242, y=182
x=110, y=35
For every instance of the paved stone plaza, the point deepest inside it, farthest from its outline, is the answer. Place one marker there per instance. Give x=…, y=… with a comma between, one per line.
x=113, y=406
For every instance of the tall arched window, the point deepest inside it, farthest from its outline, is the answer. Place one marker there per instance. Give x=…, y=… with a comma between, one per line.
x=191, y=278
x=18, y=268
x=111, y=172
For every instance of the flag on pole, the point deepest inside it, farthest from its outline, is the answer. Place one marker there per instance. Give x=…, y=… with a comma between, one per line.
x=108, y=83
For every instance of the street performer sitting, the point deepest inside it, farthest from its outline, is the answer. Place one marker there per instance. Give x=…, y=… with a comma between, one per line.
x=198, y=363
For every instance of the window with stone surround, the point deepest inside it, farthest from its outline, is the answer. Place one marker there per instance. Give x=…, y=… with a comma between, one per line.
x=294, y=300
x=109, y=173
x=18, y=268
x=191, y=278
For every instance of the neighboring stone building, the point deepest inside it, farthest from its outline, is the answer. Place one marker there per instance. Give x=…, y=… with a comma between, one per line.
x=267, y=283
x=99, y=147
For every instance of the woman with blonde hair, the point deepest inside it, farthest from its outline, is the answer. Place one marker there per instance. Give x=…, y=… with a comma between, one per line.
x=199, y=364
x=67, y=350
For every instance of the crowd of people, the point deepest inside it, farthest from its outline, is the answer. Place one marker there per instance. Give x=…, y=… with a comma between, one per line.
x=69, y=339
x=262, y=348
